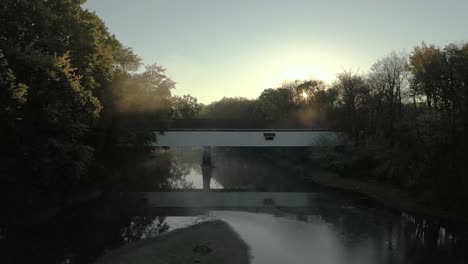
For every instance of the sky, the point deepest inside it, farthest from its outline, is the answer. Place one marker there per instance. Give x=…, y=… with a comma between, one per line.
x=238, y=48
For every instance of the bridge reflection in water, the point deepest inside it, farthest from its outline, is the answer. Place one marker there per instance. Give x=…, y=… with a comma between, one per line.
x=223, y=199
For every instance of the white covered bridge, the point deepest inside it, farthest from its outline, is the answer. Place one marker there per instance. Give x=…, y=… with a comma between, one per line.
x=248, y=138
x=235, y=134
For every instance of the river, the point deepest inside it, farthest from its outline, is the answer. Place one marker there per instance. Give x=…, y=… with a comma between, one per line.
x=280, y=216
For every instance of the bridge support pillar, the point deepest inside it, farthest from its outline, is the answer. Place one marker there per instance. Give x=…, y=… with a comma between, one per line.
x=207, y=168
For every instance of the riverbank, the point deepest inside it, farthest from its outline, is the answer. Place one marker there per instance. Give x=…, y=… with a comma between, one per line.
x=387, y=195
x=207, y=242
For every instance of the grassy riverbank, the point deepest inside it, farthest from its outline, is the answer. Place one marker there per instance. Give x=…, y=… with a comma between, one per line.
x=208, y=242
x=390, y=196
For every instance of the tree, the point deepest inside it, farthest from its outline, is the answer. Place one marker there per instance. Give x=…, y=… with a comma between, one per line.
x=57, y=63
x=185, y=107
x=354, y=102
x=13, y=95
x=145, y=92
x=139, y=102
x=426, y=68
x=276, y=104
x=230, y=108
x=388, y=80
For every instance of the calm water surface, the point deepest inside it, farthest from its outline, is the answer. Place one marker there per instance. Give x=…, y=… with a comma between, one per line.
x=330, y=227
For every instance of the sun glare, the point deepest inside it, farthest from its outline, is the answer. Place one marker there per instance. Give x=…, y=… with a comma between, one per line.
x=301, y=72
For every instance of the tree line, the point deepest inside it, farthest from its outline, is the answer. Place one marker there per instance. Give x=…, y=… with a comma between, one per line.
x=407, y=118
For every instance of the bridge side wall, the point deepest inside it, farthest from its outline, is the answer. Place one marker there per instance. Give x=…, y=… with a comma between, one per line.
x=248, y=138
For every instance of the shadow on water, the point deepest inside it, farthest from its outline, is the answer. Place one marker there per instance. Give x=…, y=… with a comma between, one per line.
x=332, y=227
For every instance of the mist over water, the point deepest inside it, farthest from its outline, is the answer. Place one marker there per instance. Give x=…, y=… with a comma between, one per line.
x=236, y=168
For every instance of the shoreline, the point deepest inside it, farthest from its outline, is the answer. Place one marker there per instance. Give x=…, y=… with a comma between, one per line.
x=388, y=196
x=209, y=242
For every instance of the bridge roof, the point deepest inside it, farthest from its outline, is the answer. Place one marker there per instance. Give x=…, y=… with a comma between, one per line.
x=236, y=124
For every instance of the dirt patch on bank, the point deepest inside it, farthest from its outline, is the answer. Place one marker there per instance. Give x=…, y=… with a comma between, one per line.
x=207, y=242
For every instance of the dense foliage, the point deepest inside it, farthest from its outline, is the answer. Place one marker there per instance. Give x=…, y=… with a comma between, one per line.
x=67, y=90
x=408, y=117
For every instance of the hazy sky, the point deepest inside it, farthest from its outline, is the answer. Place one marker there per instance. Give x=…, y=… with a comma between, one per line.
x=216, y=48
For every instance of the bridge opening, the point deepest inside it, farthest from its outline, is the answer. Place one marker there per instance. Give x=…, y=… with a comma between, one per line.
x=269, y=136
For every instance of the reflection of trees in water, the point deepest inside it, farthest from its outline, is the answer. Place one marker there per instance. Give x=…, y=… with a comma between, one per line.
x=188, y=156
x=161, y=170
x=435, y=239
x=184, y=161
x=248, y=168
x=396, y=238
x=166, y=170
x=142, y=227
